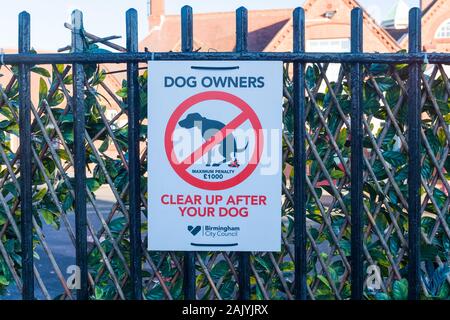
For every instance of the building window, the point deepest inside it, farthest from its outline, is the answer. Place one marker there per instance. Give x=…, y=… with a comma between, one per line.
x=444, y=30
x=328, y=45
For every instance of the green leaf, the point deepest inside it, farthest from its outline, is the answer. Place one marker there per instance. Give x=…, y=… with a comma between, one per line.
x=10, y=188
x=447, y=118
x=92, y=184
x=337, y=174
x=156, y=293
x=4, y=281
x=48, y=216
x=385, y=83
x=444, y=292
x=38, y=196
x=122, y=92
x=263, y=263
x=66, y=118
x=311, y=76
x=68, y=201
x=433, y=141
x=2, y=219
x=342, y=137
x=4, y=124
x=381, y=296
x=199, y=281
x=447, y=165
x=227, y=289
x=68, y=136
x=377, y=68
x=60, y=68
x=99, y=293
x=371, y=106
x=104, y=146
x=426, y=169
x=7, y=113
x=62, y=153
x=117, y=224
x=56, y=99
x=401, y=174
x=443, y=106
x=98, y=78
x=400, y=289
x=287, y=266
x=392, y=96
x=13, y=128
x=68, y=79
x=441, y=136
x=324, y=281
x=43, y=89
x=219, y=270
x=41, y=71
x=440, y=197
x=394, y=245
x=394, y=158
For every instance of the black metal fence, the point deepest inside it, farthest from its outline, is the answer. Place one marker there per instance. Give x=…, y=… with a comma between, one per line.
x=302, y=148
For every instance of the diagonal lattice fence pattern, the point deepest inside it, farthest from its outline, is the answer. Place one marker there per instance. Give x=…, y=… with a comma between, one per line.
x=328, y=111
x=328, y=209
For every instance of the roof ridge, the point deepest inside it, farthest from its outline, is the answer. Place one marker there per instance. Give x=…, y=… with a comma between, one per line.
x=428, y=11
x=374, y=23
x=389, y=40
x=430, y=5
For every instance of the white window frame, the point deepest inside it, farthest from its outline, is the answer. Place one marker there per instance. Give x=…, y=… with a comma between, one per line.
x=328, y=45
x=443, y=32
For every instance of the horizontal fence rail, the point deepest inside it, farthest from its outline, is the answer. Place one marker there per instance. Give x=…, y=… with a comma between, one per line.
x=365, y=162
x=307, y=57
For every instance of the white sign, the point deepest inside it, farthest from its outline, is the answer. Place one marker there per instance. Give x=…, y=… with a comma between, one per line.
x=214, y=155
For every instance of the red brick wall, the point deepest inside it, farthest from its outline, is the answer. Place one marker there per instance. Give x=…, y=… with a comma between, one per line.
x=438, y=14
x=319, y=27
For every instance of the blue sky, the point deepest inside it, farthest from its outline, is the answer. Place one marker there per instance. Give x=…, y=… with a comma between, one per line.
x=107, y=17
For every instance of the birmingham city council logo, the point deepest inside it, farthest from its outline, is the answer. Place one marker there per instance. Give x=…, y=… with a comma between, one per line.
x=194, y=230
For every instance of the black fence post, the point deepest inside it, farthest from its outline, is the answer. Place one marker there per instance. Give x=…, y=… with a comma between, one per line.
x=26, y=194
x=357, y=273
x=241, y=30
x=187, y=43
x=299, y=58
x=244, y=257
x=79, y=157
x=134, y=165
x=414, y=119
x=299, y=157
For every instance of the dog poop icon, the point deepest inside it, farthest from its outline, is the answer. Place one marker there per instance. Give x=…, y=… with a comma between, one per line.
x=210, y=127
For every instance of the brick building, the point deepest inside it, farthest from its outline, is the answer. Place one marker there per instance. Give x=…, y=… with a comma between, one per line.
x=435, y=26
x=327, y=28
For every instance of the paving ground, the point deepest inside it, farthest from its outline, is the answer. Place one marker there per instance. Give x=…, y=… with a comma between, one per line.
x=62, y=249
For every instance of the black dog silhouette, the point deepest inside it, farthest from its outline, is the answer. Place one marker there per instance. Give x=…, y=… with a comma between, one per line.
x=209, y=128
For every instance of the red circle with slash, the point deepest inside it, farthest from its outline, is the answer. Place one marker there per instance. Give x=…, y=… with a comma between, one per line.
x=247, y=113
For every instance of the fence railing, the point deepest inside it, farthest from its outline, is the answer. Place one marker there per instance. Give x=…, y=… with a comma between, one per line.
x=349, y=201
